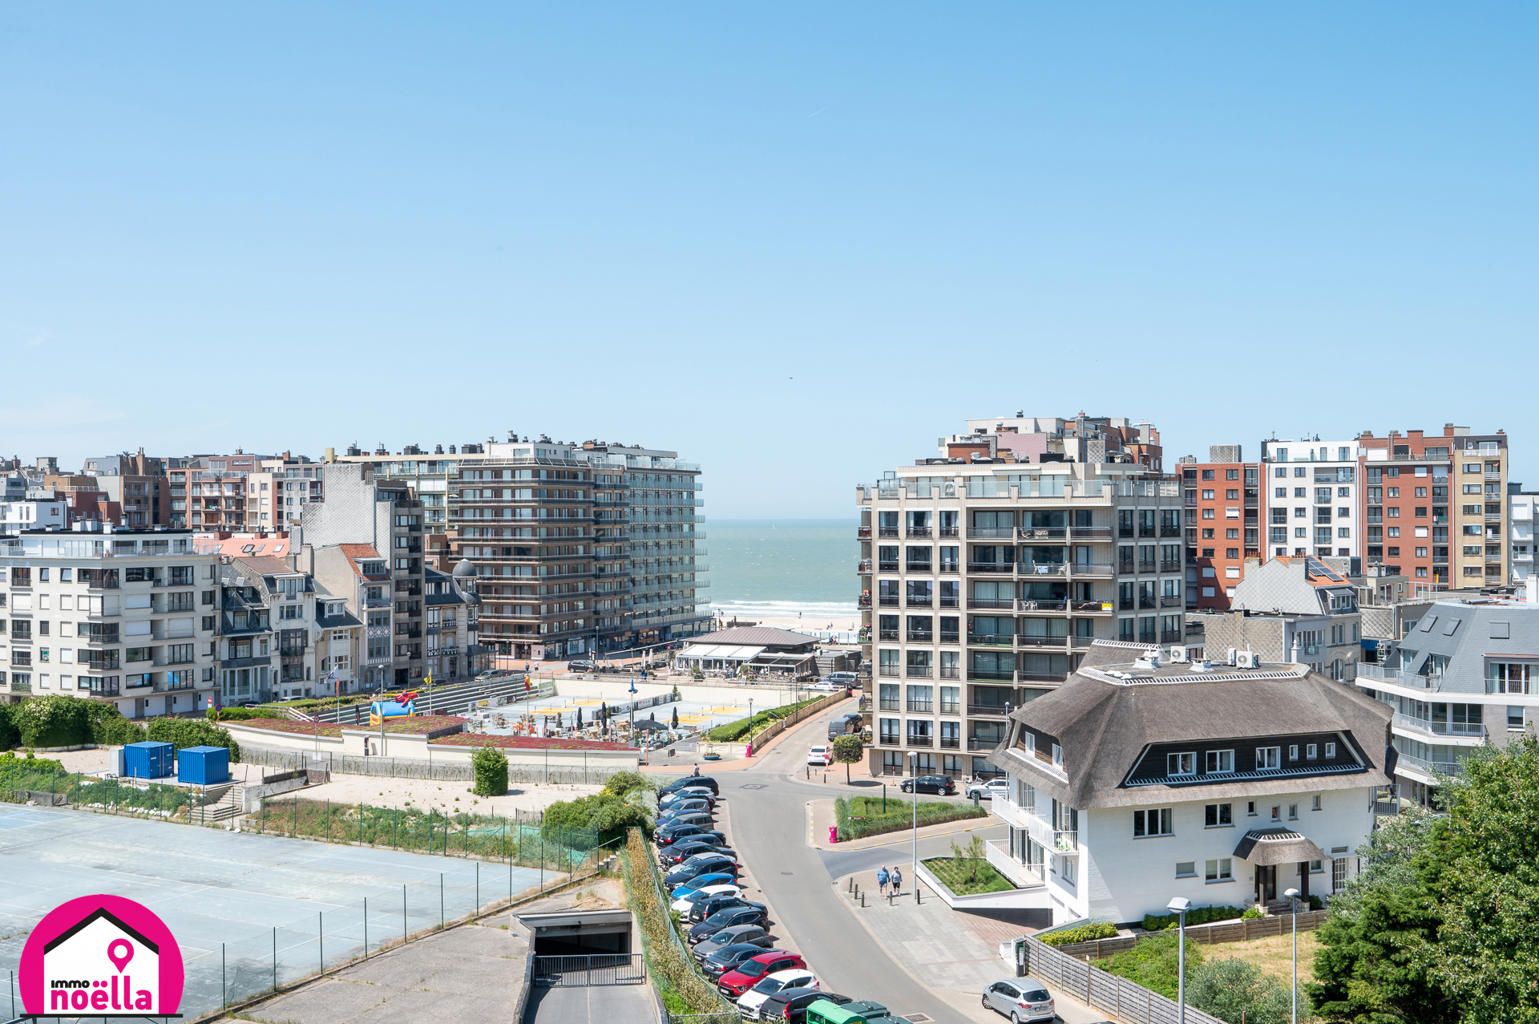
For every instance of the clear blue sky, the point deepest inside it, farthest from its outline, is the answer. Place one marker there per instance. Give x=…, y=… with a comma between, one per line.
x=796, y=241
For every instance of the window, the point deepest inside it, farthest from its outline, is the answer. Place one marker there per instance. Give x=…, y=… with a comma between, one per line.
x=1514, y=718
x=1269, y=758
x=1330, y=750
x=1184, y=763
x=1293, y=751
x=1220, y=762
x=1218, y=815
x=1314, y=802
x=1316, y=867
x=1220, y=870
x=1153, y=822
x=1250, y=808
x=1186, y=869
x=1312, y=751
x=1276, y=812
x=1293, y=812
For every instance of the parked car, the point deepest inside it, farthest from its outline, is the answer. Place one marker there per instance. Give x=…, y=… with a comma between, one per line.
x=746, y=974
x=840, y=725
x=696, y=884
x=755, y=934
x=751, y=1002
x=1020, y=999
x=688, y=805
x=790, y=1004
x=683, y=904
x=938, y=784
x=700, y=865
x=987, y=790
x=687, y=793
x=678, y=833
x=678, y=853
x=690, y=782
x=842, y=679
x=579, y=665
x=849, y=1012
x=726, y=919
x=729, y=956
x=820, y=756
x=712, y=904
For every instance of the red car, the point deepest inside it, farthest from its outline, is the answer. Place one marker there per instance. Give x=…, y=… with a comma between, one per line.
x=747, y=974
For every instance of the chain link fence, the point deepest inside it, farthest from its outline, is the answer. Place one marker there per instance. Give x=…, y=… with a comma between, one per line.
x=441, y=771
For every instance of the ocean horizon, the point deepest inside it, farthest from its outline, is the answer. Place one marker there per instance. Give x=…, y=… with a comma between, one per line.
x=783, y=569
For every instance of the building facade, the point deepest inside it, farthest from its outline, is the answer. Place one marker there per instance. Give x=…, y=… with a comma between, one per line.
x=1522, y=516
x=1140, y=780
x=985, y=578
x=277, y=493
x=1225, y=508
x=208, y=492
x=1295, y=610
x=1312, y=497
x=105, y=614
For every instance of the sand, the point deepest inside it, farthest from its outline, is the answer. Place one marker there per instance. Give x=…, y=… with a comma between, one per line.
x=446, y=796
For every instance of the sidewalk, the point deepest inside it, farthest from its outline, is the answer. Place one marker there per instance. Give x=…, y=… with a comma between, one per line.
x=820, y=818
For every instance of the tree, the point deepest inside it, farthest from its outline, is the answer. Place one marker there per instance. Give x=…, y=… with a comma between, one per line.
x=1237, y=991
x=675, y=723
x=848, y=750
x=579, y=719
x=490, y=767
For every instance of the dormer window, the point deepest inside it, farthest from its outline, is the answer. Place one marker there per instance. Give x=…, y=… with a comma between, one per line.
x=1184, y=763
x=1330, y=750
x=1220, y=762
x=1269, y=759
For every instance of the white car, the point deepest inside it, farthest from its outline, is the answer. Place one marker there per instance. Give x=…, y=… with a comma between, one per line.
x=749, y=1002
x=682, y=905
x=688, y=793
x=1021, y=999
x=988, y=790
x=820, y=756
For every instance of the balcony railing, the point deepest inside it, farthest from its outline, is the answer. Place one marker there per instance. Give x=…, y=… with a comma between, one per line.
x=1041, y=641
x=977, y=744
x=951, y=743
x=990, y=639
x=1472, y=729
x=1065, y=841
x=986, y=711
x=1453, y=769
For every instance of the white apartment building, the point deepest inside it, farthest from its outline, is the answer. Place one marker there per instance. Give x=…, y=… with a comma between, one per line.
x=1464, y=676
x=276, y=495
x=1522, y=517
x=986, y=576
x=1142, y=779
x=1312, y=497
x=128, y=617
x=33, y=513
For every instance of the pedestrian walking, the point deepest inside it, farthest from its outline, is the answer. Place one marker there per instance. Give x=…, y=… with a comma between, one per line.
x=881, y=880
x=897, y=881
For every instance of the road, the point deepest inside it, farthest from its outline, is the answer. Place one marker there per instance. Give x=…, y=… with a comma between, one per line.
x=768, y=824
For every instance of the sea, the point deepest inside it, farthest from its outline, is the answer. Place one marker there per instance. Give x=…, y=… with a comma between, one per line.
x=784, y=569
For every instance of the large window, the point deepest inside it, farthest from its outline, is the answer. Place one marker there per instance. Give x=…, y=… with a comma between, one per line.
x=1156, y=821
x=1510, y=677
x=1184, y=763
x=1220, y=762
x=1220, y=870
x=1218, y=815
x=1268, y=758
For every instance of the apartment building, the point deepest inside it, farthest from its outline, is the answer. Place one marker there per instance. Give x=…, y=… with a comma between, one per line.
x=208, y=492
x=33, y=513
x=100, y=613
x=1313, y=497
x=139, y=485
x=453, y=624
x=282, y=635
x=1140, y=779
x=1295, y=610
x=987, y=572
x=277, y=492
x=577, y=547
x=1522, y=517
x=362, y=578
x=1464, y=676
x=1225, y=507
x=1479, y=508
x=364, y=544
x=85, y=497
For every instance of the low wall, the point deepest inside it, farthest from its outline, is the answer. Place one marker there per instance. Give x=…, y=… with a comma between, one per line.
x=762, y=739
x=525, y=767
x=1010, y=899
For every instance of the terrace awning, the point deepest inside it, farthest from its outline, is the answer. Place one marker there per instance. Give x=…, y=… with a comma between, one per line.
x=1266, y=846
x=720, y=652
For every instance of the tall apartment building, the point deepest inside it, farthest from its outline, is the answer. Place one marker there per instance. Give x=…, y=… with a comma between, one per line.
x=1313, y=497
x=122, y=616
x=84, y=495
x=208, y=492
x=277, y=493
x=577, y=547
x=1522, y=516
x=1406, y=505
x=1225, y=508
x=380, y=522
x=140, y=486
x=987, y=572
x=1479, y=508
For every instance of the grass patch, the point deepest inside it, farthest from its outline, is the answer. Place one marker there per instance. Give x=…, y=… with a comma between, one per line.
x=731, y=732
x=670, y=966
x=966, y=877
x=1274, y=955
x=862, y=816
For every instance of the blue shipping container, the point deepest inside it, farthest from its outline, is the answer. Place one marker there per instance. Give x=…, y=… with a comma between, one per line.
x=203, y=766
x=147, y=760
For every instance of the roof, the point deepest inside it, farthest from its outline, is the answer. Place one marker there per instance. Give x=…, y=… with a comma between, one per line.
x=1466, y=635
x=268, y=566
x=338, y=621
x=757, y=636
x=249, y=547
x=356, y=553
x=1104, y=723
x=1292, y=585
x=1266, y=846
x=725, y=652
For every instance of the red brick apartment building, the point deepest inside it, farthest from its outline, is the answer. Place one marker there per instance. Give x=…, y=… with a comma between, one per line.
x=1225, y=508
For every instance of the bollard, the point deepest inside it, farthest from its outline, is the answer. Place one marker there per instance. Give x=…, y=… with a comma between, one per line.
x=862, y=901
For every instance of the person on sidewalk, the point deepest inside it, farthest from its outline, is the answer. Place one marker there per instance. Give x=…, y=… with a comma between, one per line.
x=897, y=882
x=881, y=880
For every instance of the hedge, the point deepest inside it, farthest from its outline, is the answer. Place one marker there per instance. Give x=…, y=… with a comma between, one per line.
x=60, y=721
x=491, y=771
x=1197, y=915
x=678, y=982
x=1088, y=932
x=731, y=732
x=607, y=814
x=861, y=816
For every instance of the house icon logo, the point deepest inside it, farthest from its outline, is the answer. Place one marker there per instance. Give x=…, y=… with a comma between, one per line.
x=101, y=956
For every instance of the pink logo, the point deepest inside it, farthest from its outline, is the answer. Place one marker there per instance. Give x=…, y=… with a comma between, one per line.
x=102, y=956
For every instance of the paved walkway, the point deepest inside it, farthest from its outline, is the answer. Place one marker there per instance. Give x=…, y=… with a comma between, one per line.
x=588, y=1004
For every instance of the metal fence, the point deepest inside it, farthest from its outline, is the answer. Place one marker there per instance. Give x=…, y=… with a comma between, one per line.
x=591, y=969
x=441, y=771
x=1130, y=1003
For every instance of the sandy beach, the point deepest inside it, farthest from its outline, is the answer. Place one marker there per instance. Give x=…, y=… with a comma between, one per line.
x=815, y=621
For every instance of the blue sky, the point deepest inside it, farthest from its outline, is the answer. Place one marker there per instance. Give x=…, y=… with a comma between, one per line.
x=796, y=241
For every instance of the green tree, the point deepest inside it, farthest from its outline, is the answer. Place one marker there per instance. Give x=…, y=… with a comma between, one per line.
x=605, y=814
x=1238, y=992
x=848, y=750
x=53, y=721
x=9, y=734
x=623, y=783
x=490, y=767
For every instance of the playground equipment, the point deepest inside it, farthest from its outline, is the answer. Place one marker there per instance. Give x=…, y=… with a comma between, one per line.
x=403, y=706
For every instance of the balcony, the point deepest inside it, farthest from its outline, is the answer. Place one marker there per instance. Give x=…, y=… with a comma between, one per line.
x=951, y=743
x=948, y=531
x=1042, y=605
x=1092, y=569
x=1093, y=607
x=918, y=531
x=991, y=675
x=1038, y=642
x=991, y=532
x=864, y=533
x=1092, y=532
x=1042, y=533
x=1170, y=565
x=1147, y=565
x=888, y=600
x=1434, y=727
x=887, y=531
x=990, y=639
x=864, y=568
x=886, y=566
x=1171, y=601
x=864, y=601
x=1452, y=769
x=1065, y=841
x=1006, y=603
x=887, y=634
x=1001, y=568
x=982, y=744
x=987, y=711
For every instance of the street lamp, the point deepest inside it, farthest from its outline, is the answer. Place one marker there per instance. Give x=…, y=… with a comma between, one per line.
x=1179, y=905
x=1293, y=900
x=750, y=726
x=913, y=772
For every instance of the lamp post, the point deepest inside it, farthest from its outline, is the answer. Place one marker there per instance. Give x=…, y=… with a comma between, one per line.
x=750, y=726
x=1293, y=900
x=913, y=773
x=1179, y=905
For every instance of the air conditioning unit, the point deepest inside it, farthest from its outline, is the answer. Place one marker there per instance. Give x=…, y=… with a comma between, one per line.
x=1178, y=654
x=1247, y=659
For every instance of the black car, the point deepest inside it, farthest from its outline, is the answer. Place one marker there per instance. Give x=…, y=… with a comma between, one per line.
x=679, y=833
x=725, y=958
x=938, y=784
x=741, y=933
x=791, y=1003
x=704, y=908
x=687, y=781
x=700, y=865
x=748, y=914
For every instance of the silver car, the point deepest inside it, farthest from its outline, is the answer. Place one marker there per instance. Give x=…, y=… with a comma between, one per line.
x=1020, y=999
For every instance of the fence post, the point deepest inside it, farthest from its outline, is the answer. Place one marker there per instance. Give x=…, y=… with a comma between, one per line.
x=223, y=998
x=320, y=936
x=403, y=914
x=275, y=958
x=294, y=818
x=478, y=885
x=328, y=821
x=440, y=900
x=365, y=927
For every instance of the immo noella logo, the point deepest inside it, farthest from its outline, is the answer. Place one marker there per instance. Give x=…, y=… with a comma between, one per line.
x=101, y=956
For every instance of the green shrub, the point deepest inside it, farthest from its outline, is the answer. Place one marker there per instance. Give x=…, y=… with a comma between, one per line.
x=731, y=732
x=491, y=772
x=9, y=734
x=190, y=732
x=1197, y=915
x=246, y=714
x=604, y=813
x=623, y=783
x=1252, y=914
x=29, y=773
x=1237, y=991
x=678, y=982
x=1152, y=962
x=1088, y=932
x=53, y=721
